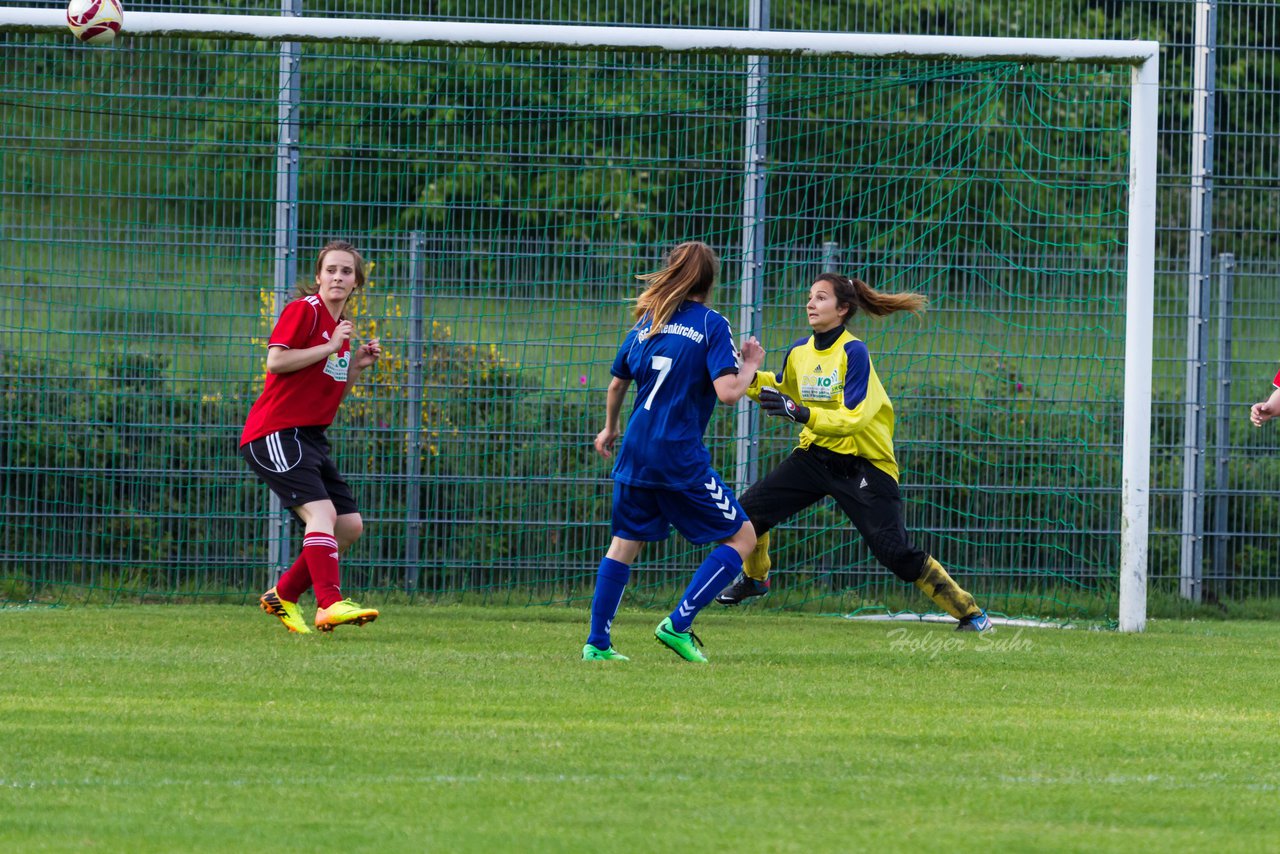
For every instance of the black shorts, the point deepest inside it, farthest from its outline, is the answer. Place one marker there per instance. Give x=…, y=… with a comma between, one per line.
x=295, y=464
x=867, y=495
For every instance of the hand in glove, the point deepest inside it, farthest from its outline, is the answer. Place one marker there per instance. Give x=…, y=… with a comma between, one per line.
x=777, y=404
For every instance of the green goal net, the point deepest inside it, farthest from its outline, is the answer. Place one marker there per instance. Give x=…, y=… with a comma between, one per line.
x=507, y=197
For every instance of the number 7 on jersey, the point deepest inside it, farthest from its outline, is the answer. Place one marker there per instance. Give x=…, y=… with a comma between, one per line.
x=661, y=364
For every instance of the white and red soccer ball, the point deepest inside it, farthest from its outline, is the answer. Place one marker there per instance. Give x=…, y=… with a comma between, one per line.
x=95, y=21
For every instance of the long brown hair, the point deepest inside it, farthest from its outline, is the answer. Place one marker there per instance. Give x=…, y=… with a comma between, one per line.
x=308, y=287
x=857, y=294
x=690, y=271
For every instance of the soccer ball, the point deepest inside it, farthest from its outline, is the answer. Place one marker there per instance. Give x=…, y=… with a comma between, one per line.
x=95, y=21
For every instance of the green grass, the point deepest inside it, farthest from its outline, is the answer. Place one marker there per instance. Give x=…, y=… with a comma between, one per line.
x=208, y=728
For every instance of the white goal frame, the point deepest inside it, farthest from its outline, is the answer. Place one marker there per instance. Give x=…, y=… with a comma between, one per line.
x=1141, y=56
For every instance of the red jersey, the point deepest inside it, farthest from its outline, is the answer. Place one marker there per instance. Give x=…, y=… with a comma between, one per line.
x=308, y=397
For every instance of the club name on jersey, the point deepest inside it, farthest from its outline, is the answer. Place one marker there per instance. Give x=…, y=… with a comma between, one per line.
x=672, y=329
x=819, y=386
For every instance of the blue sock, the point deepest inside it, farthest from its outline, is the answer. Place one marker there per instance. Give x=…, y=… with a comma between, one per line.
x=611, y=580
x=716, y=573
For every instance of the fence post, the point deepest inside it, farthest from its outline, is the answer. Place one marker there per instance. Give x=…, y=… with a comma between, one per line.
x=413, y=417
x=1193, y=443
x=830, y=256
x=1222, y=435
x=288, y=155
x=753, y=239
x=1200, y=271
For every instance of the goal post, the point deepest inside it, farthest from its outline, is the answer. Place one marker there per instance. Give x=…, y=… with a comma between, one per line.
x=1139, y=347
x=939, y=181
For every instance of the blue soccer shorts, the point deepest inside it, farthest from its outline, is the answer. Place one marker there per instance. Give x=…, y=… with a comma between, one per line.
x=706, y=513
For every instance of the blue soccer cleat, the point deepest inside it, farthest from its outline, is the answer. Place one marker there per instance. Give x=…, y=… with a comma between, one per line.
x=978, y=622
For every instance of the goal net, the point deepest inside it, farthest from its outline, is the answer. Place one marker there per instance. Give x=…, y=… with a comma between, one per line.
x=161, y=197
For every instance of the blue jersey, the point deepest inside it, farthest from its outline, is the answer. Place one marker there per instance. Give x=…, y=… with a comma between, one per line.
x=674, y=370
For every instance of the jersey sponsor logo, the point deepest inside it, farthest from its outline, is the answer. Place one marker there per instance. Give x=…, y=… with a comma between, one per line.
x=671, y=329
x=336, y=366
x=819, y=386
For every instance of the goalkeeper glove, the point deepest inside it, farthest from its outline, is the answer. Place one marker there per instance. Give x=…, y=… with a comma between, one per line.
x=777, y=404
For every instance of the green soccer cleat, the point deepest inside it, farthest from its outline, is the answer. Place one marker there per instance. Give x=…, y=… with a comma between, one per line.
x=683, y=644
x=287, y=612
x=593, y=653
x=344, y=612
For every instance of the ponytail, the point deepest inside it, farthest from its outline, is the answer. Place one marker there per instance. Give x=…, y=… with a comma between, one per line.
x=690, y=270
x=857, y=294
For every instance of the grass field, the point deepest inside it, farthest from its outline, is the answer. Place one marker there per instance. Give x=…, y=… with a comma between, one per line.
x=145, y=728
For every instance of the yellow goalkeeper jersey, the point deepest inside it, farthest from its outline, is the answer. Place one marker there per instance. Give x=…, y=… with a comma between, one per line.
x=849, y=412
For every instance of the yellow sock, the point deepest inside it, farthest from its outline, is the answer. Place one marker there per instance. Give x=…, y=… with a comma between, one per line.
x=757, y=564
x=939, y=586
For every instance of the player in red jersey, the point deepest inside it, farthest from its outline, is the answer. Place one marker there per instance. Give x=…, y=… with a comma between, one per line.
x=310, y=366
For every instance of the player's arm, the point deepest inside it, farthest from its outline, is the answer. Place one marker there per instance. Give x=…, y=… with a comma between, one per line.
x=1263, y=411
x=614, y=397
x=364, y=357
x=845, y=420
x=761, y=379
x=731, y=387
x=283, y=360
x=853, y=415
x=858, y=408
x=768, y=379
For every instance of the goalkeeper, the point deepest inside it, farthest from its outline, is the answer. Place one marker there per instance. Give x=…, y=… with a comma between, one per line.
x=829, y=387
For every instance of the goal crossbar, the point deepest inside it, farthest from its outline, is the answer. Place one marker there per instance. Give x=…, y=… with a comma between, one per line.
x=274, y=28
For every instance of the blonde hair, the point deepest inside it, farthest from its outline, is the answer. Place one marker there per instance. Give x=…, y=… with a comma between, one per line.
x=690, y=270
x=857, y=294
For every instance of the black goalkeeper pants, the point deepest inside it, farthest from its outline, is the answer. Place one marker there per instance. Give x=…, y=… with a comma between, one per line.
x=868, y=496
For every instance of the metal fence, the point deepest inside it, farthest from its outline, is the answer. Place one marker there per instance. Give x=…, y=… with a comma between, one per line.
x=1215, y=478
